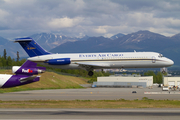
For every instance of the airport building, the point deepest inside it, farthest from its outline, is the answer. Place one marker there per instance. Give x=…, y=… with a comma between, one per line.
x=171, y=81
x=124, y=81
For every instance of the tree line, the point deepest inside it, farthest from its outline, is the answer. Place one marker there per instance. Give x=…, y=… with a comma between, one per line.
x=8, y=61
x=157, y=78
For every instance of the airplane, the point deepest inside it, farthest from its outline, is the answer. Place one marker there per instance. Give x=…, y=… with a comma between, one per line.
x=91, y=61
x=23, y=75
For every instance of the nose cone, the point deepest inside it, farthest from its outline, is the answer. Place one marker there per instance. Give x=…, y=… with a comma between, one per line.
x=170, y=62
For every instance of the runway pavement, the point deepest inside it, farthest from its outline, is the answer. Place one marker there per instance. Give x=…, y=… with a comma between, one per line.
x=87, y=114
x=92, y=94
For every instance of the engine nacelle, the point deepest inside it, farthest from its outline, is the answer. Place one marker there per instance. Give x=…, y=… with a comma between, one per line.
x=59, y=61
x=27, y=71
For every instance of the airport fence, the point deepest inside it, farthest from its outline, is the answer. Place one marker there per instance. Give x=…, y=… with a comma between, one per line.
x=6, y=67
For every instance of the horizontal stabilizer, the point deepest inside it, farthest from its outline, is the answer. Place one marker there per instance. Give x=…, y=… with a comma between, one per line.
x=28, y=39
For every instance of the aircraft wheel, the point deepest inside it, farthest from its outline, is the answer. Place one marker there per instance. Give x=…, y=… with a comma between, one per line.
x=163, y=71
x=90, y=73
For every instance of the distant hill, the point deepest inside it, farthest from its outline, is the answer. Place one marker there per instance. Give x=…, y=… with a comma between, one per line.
x=117, y=36
x=93, y=44
x=50, y=40
x=141, y=40
x=9, y=46
x=47, y=40
x=3, y=41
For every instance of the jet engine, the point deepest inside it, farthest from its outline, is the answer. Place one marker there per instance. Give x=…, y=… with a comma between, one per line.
x=59, y=61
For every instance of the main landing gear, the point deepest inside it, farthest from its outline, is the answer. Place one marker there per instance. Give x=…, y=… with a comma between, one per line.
x=90, y=73
x=163, y=70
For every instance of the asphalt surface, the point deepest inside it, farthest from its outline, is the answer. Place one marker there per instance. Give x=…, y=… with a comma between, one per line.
x=88, y=114
x=93, y=94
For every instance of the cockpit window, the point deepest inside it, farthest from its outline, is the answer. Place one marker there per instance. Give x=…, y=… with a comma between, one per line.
x=160, y=55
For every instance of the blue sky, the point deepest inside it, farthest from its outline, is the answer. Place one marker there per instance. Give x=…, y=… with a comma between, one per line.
x=20, y=18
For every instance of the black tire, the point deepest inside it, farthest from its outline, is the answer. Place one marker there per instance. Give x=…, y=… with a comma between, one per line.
x=90, y=73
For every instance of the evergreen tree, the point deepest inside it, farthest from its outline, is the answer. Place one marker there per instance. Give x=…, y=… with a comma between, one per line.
x=3, y=61
x=159, y=77
x=1, y=64
x=5, y=54
x=9, y=61
x=18, y=56
x=151, y=73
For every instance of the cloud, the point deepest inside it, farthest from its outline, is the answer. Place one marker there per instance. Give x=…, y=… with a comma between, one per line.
x=100, y=29
x=88, y=17
x=64, y=22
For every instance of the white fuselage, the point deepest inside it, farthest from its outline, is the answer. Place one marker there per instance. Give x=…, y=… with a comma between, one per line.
x=109, y=60
x=4, y=78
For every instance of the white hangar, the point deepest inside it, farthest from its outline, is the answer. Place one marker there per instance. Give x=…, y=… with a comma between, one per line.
x=121, y=81
x=171, y=81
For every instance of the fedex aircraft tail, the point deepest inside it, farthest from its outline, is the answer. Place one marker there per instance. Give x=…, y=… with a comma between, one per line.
x=28, y=68
x=31, y=47
x=23, y=75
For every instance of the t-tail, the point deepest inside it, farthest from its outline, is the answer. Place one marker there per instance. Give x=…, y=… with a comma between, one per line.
x=31, y=47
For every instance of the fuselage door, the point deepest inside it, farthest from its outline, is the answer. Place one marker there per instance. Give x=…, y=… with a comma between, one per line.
x=153, y=59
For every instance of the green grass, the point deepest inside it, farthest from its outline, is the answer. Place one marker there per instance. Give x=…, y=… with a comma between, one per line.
x=91, y=104
x=48, y=80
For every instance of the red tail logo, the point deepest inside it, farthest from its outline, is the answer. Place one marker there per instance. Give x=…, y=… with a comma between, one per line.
x=27, y=71
x=30, y=71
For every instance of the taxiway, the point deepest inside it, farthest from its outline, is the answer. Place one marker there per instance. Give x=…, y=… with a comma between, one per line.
x=92, y=94
x=87, y=114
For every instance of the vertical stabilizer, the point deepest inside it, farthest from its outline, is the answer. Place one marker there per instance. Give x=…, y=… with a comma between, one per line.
x=31, y=47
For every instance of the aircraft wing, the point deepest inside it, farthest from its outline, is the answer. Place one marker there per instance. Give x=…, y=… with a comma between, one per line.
x=25, y=79
x=89, y=65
